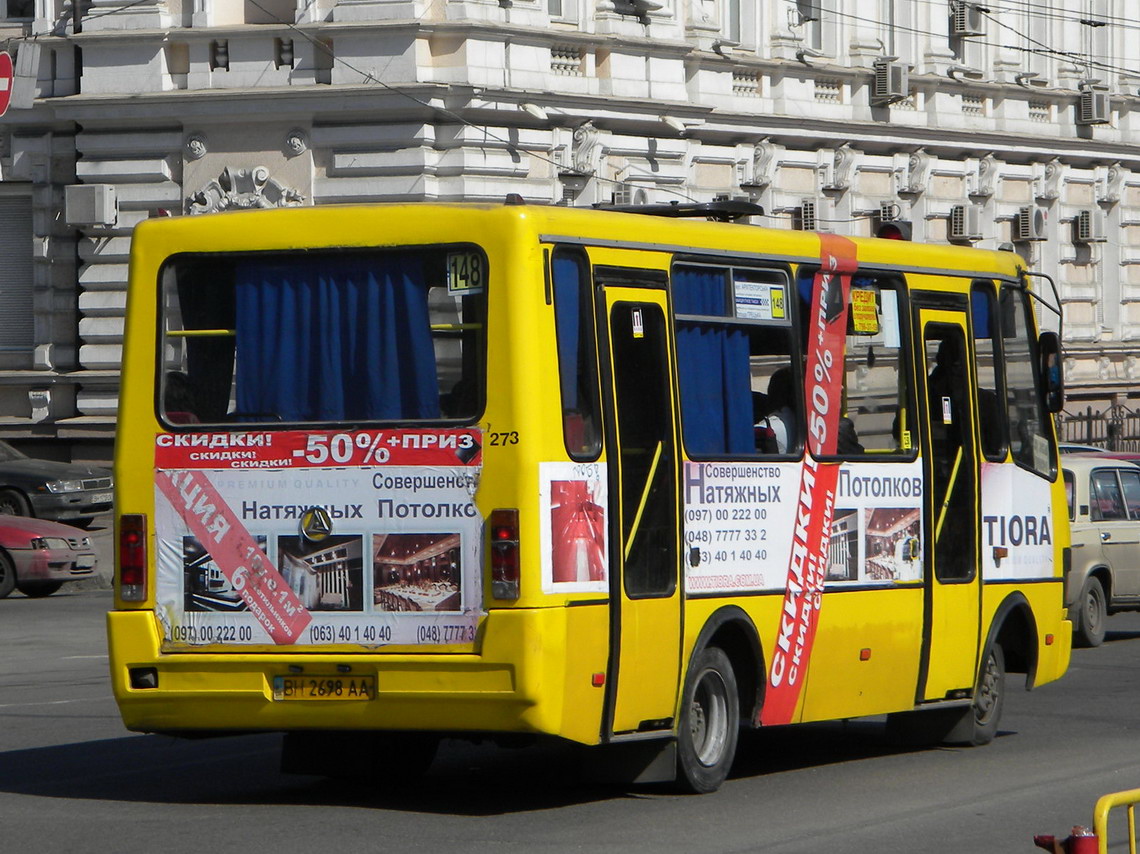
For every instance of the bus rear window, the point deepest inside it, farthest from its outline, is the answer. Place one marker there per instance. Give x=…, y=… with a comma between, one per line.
x=366, y=335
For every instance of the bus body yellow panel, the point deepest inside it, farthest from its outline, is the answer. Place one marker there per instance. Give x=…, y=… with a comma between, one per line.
x=866, y=654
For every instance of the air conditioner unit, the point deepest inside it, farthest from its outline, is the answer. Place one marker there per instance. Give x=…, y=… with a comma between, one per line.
x=966, y=20
x=965, y=223
x=90, y=204
x=1088, y=226
x=626, y=194
x=1092, y=108
x=804, y=217
x=1029, y=224
x=891, y=82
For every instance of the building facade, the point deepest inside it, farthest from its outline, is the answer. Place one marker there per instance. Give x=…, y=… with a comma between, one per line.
x=983, y=125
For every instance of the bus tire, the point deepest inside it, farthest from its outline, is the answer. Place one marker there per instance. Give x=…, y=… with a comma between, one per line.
x=989, y=699
x=1092, y=612
x=710, y=722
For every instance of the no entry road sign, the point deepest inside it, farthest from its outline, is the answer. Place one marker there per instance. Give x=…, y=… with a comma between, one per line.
x=7, y=77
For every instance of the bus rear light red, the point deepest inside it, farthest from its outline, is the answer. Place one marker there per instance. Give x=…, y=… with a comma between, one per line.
x=504, y=533
x=132, y=557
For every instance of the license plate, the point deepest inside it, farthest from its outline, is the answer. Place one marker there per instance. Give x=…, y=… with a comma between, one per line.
x=85, y=562
x=101, y=498
x=316, y=687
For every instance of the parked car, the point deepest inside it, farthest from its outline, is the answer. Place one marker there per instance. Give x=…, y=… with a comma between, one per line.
x=46, y=489
x=1070, y=448
x=1104, y=508
x=37, y=556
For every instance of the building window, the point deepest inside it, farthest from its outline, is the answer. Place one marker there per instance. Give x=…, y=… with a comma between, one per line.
x=17, y=10
x=17, y=332
x=732, y=21
x=818, y=19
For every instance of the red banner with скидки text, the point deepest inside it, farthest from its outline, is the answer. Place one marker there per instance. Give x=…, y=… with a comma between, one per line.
x=815, y=502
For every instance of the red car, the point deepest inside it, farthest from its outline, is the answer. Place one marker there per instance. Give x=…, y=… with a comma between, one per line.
x=37, y=556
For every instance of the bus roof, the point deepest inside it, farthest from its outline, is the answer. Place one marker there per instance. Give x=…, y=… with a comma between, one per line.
x=366, y=225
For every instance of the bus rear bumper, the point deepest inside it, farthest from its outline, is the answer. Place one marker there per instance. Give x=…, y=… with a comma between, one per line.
x=502, y=688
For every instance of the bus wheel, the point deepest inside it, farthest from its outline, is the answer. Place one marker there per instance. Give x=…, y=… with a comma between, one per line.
x=990, y=697
x=1092, y=612
x=710, y=721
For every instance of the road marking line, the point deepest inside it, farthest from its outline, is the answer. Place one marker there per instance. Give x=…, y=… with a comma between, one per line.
x=52, y=703
x=70, y=657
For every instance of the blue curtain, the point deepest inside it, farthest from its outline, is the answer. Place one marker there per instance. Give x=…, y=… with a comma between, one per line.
x=716, y=384
x=335, y=338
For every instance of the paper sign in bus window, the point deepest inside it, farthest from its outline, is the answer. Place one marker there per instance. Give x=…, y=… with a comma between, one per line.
x=573, y=528
x=864, y=312
x=465, y=273
x=759, y=300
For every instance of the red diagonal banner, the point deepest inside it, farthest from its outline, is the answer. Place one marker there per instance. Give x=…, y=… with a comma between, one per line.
x=815, y=502
x=265, y=592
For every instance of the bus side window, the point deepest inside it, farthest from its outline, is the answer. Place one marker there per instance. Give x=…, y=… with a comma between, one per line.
x=1028, y=437
x=877, y=417
x=739, y=386
x=577, y=354
x=991, y=420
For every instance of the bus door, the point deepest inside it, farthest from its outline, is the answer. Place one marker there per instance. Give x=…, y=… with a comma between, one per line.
x=952, y=613
x=644, y=525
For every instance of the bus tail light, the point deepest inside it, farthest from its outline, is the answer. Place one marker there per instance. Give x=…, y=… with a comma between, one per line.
x=132, y=557
x=504, y=529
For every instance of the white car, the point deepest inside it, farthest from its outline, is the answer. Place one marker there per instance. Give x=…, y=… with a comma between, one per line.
x=1104, y=509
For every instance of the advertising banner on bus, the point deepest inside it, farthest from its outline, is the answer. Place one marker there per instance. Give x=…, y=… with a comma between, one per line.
x=367, y=537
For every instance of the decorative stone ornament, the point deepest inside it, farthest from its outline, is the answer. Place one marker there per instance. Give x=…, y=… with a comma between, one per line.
x=196, y=146
x=587, y=141
x=296, y=143
x=917, y=172
x=763, y=156
x=1111, y=184
x=987, y=174
x=243, y=189
x=842, y=164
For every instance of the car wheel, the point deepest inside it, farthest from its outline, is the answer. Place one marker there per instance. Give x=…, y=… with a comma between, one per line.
x=38, y=589
x=13, y=503
x=989, y=699
x=1092, y=613
x=7, y=575
x=710, y=723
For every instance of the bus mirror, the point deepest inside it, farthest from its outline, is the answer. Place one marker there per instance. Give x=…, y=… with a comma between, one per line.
x=1052, y=371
